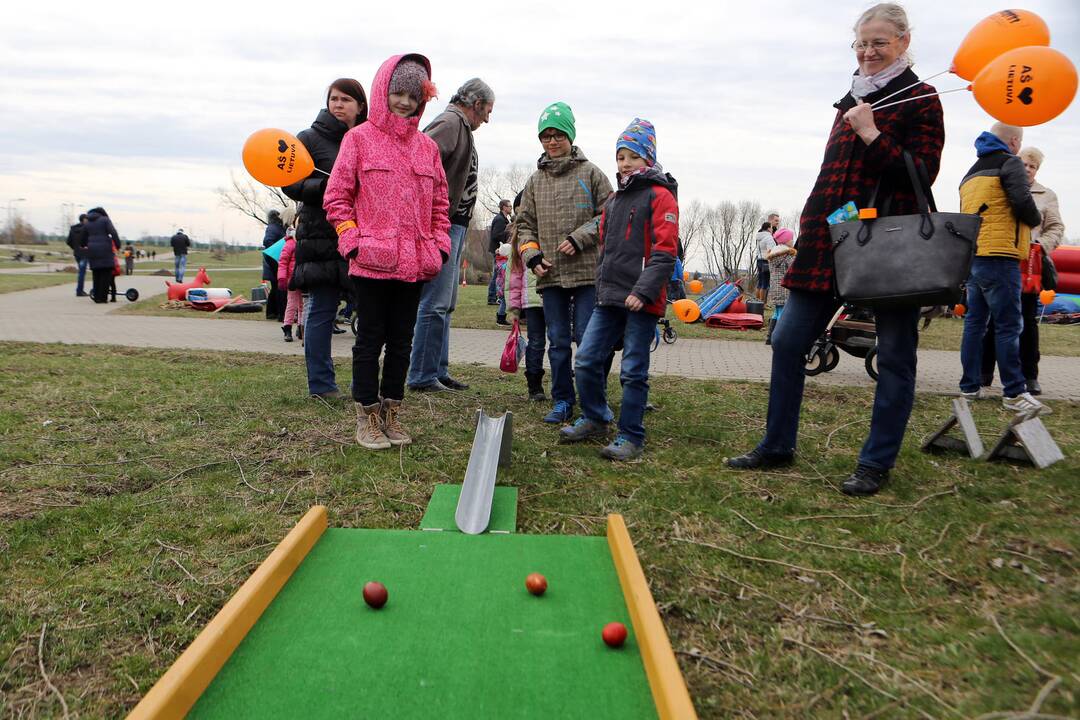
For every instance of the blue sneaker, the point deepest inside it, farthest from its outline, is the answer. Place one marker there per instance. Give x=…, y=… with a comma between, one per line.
x=561, y=413
x=582, y=429
x=622, y=449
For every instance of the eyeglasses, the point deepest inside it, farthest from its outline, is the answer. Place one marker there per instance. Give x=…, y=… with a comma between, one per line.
x=878, y=45
x=553, y=137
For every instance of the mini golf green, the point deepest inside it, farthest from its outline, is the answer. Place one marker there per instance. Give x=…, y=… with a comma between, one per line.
x=459, y=638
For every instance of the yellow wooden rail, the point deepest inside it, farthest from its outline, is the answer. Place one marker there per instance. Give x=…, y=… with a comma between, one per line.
x=179, y=688
x=665, y=679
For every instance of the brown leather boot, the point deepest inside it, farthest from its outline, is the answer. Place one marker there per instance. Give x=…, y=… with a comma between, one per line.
x=395, y=433
x=369, y=431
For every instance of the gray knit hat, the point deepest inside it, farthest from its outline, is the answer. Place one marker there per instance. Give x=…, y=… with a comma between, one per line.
x=409, y=77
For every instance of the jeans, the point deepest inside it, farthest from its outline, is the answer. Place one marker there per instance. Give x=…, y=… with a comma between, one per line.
x=80, y=285
x=608, y=326
x=386, y=316
x=536, y=334
x=993, y=291
x=501, y=312
x=318, y=320
x=1029, y=341
x=431, y=351
x=492, y=285
x=179, y=265
x=562, y=329
x=804, y=319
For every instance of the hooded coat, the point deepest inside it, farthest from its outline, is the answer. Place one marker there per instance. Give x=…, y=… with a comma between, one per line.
x=996, y=188
x=318, y=263
x=102, y=240
x=389, y=181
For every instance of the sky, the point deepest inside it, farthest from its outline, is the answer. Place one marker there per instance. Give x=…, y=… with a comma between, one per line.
x=143, y=108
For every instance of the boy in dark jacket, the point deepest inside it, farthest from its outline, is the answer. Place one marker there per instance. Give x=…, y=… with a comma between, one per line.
x=639, y=232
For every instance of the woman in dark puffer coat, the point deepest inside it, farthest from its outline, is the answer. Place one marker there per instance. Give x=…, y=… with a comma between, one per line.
x=320, y=270
x=102, y=242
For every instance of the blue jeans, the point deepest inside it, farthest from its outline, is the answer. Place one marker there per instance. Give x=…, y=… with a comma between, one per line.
x=179, y=265
x=83, y=264
x=607, y=326
x=492, y=285
x=804, y=319
x=319, y=311
x=430, y=357
x=536, y=332
x=562, y=329
x=993, y=291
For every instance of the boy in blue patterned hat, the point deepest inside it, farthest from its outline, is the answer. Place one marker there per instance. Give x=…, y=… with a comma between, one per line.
x=639, y=232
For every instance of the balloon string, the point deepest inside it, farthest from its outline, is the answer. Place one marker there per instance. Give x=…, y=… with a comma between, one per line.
x=323, y=172
x=917, y=82
x=919, y=97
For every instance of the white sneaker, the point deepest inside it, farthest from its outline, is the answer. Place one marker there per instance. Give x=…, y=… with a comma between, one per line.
x=1025, y=404
x=973, y=395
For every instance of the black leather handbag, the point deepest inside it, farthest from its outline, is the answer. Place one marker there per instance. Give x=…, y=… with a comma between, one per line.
x=905, y=260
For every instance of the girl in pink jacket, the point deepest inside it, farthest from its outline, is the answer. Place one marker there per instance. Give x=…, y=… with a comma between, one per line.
x=387, y=199
x=294, y=306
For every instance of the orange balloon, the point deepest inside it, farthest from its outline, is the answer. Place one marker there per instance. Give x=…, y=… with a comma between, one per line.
x=995, y=35
x=1047, y=296
x=686, y=310
x=686, y=275
x=1026, y=86
x=959, y=310
x=696, y=286
x=276, y=158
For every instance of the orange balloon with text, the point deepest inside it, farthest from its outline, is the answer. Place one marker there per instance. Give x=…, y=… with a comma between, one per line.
x=276, y=158
x=1026, y=86
x=997, y=34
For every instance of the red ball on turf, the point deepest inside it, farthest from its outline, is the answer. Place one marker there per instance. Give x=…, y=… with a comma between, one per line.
x=614, y=634
x=536, y=583
x=375, y=594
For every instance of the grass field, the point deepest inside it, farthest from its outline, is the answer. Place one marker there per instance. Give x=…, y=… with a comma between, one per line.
x=14, y=283
x=139, y=489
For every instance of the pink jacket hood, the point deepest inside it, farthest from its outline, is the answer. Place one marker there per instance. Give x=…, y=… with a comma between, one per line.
x=387, y=195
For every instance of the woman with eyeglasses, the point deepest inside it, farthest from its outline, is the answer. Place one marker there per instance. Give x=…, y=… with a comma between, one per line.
x=557, y=232
x=865, y=146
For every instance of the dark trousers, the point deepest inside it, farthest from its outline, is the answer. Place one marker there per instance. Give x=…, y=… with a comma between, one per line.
x=566, y=314
x=492, y=285
x=386, y=316
x=536, y=332
x=103, y=281
x=805, y=316
x=1029, y=342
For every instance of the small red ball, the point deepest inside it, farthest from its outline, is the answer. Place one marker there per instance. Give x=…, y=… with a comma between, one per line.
x=375, y=594
x=536, y=583
x=614, y=634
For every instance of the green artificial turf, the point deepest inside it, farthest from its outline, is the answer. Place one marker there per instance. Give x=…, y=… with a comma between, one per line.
x=460, y=637
x=443, y=505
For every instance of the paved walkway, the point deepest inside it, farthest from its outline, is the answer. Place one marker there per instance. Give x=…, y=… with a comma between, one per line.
x=54, y=314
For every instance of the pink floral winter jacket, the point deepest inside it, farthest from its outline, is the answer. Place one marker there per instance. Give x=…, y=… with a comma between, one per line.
x=287, y=262
x=389, y=180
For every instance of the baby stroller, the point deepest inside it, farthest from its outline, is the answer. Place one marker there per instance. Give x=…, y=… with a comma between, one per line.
x=851, y=330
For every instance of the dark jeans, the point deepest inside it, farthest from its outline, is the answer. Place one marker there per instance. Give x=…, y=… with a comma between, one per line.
x=83, y=264
x=562, y=329
x=536, y=332
x=319, y=310
x=492, y=285
x=805, y=316
x=386, y=316
x=103, y=281
x=993, y=291
x=276, y=301
x=1029, y=341
x=608, y=327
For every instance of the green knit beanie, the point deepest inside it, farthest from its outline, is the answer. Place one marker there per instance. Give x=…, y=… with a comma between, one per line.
x=557, y=116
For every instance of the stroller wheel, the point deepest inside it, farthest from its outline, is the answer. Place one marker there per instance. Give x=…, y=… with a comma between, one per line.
x=132, y=294
x=670, y=336
x=355, y=324
x=815, y=361
x=832, y=359
x=871, y=363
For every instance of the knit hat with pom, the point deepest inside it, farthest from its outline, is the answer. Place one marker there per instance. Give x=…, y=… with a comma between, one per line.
x=411, y=78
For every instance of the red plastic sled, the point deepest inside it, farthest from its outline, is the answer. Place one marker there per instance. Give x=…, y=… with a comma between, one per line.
x=734, y=321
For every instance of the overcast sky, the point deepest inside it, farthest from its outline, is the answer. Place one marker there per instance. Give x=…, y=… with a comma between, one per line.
x=143, y=107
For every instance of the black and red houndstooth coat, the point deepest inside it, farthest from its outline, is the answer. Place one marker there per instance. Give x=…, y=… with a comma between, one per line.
x=851, y=170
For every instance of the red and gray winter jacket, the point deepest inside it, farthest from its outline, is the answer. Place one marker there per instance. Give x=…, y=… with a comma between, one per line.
x=639, y=235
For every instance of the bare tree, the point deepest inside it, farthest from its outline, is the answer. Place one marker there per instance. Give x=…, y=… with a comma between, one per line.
x=692, y=223
x=251, y=198
x=495, y=184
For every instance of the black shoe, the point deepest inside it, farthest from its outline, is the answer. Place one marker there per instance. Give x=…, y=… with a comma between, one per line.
x=537, y=396
x=287, y=330
x=452, y=384
x=501, y=320
x=82, y=294
x=493, y=302
x=758, y=459
x=1034, y=387
x=865, y=481
x=337, y=331
x=430, y=387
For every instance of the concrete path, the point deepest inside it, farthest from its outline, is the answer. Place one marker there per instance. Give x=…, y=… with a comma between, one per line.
x=54, y=314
